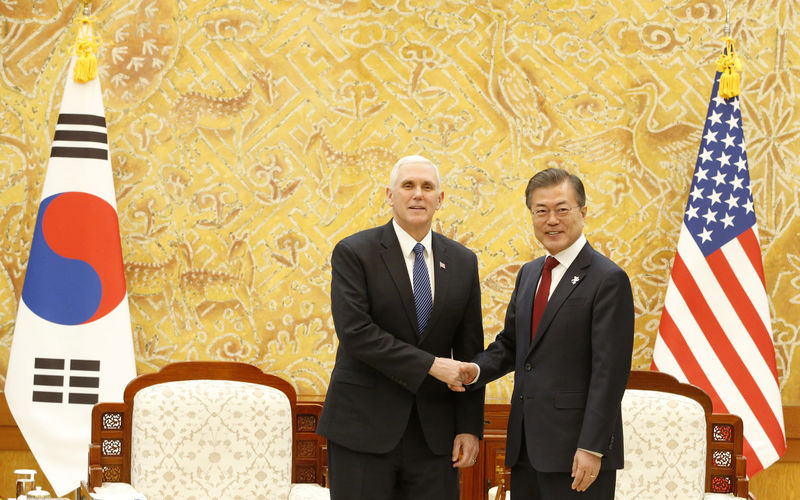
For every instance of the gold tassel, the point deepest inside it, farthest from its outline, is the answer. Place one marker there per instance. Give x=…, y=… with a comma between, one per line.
x=729, y=65
x=86, y=48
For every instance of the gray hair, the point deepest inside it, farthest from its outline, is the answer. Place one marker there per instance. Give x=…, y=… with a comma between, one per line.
x=412, y=159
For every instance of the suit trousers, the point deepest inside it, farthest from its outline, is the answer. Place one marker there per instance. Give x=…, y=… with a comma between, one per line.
x=409, y=471
x=529, y=484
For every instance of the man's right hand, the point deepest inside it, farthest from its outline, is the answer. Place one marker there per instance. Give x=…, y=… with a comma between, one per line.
x=447, y=370
x=454, y=373
x=469, y=372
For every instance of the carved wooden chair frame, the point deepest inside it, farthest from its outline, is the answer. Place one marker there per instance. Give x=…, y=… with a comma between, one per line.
x=110, y=453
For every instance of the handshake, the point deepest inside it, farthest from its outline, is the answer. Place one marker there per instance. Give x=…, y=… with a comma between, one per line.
x=454, y=373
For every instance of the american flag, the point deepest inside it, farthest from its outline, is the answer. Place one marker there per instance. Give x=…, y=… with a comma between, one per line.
x=715, y=329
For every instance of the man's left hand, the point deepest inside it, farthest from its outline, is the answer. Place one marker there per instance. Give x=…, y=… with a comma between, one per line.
x=465, y=450
x=585, y=468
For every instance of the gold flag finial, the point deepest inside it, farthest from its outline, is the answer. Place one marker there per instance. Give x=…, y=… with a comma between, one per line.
x=729, y=64
x=86, y=46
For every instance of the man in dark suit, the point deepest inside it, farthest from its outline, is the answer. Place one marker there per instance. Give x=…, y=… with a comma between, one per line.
x=568, y=336
x=406, y=305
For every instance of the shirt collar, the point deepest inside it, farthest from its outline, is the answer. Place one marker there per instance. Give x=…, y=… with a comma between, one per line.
x=569, y=254
x=407, y=241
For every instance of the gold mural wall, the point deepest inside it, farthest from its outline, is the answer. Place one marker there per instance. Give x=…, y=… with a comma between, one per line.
x=248, y=137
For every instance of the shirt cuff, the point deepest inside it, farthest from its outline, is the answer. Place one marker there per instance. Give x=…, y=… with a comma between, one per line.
x=595, y=453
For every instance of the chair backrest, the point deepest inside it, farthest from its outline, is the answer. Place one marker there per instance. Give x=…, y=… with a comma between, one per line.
x=675, y=447
x=665, y=446
x=211, y=439
x=207, y=430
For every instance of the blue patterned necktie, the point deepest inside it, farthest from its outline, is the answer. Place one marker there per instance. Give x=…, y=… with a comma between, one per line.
x=422, y=288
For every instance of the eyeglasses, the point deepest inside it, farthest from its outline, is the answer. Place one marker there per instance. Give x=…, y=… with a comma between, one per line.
x=544, y=213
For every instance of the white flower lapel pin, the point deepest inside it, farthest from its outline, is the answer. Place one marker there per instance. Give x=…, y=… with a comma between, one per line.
x=575, y=279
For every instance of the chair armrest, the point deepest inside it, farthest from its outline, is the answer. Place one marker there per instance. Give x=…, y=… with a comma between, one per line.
x=308, y=491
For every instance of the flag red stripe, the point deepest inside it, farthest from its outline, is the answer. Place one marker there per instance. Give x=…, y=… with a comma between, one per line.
x=676, y=343
x=744, y=308
x=736, y=369
x=749, y=243
x=668, y=332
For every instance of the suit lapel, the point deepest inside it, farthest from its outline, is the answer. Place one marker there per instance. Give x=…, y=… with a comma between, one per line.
x=569, y=282
x=395, y=263
x=527, y=292
x=441, y=279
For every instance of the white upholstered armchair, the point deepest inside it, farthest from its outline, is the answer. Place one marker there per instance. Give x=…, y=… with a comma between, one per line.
x=675, y=447
x=209, y=430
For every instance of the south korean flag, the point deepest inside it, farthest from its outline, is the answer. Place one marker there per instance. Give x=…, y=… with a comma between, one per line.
x=72, y=344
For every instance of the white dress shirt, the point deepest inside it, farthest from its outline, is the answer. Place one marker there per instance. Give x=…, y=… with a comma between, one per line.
x=565, y=259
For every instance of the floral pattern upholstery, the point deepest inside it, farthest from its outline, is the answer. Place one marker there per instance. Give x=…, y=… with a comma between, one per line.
x=213, y=439
x=665, y=447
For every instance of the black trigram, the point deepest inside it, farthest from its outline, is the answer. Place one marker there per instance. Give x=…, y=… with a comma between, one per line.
x=50, y=380
x=80, y=136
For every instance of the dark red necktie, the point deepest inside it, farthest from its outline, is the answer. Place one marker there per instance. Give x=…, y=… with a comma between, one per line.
x=540, y=301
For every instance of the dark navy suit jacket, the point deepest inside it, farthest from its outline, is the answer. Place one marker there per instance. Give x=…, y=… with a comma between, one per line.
x=568, y=382
x=382, y=361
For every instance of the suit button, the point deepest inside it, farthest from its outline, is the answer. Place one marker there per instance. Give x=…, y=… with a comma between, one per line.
x=527, y=367
x=520, y=397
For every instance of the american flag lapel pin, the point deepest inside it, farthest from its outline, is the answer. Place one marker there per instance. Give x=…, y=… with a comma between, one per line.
x=575, y=279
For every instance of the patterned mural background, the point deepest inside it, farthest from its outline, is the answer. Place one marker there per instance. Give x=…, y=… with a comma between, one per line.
x=249, y=136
